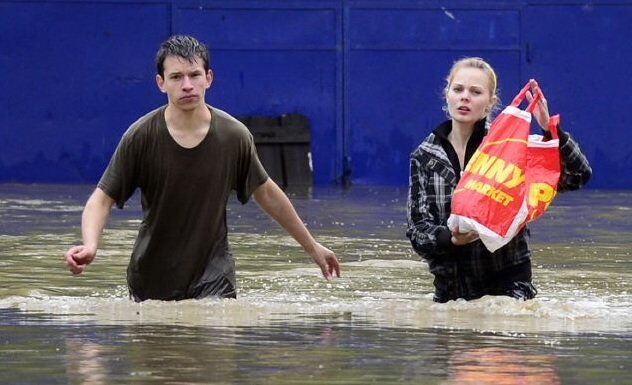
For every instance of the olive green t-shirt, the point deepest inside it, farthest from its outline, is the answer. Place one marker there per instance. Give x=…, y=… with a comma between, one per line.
x=182, y=249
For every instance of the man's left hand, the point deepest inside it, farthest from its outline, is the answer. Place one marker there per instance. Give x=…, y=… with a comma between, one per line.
x=326, y=260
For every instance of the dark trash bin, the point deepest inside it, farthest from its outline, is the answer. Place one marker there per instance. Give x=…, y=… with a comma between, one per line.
x=283, y=146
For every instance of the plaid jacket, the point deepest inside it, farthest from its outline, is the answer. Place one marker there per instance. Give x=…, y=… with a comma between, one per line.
x=431, y=185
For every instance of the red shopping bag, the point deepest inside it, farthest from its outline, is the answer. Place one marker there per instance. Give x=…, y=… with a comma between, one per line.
x=543, y=170
x=494, y=196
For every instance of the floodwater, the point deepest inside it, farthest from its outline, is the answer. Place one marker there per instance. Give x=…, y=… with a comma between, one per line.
x=376, y=324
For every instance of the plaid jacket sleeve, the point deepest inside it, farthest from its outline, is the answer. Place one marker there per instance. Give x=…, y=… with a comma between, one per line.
x=428, y=198
x=575, y=170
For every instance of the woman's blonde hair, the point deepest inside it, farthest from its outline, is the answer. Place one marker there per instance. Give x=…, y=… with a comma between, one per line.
x=475, y=62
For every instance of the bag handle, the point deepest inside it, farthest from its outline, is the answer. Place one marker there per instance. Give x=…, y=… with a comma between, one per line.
x=554, y=121
x=521, y=95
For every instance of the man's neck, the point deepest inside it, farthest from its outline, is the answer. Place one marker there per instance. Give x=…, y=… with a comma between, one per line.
x=188, y=127
x=186, y=120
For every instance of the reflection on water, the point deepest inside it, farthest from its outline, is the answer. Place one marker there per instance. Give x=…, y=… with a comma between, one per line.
x=86, y=361
x=376, y=324
x=315, y=352
x=501, y=366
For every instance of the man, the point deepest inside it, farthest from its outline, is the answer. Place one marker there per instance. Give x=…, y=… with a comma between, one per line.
x=186, y=158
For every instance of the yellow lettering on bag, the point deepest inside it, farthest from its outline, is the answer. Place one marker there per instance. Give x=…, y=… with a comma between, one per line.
x=480, y=163
x=494, y=168
x=498, y=171
x=489, y=191
x=541, y=192
x=516, y=178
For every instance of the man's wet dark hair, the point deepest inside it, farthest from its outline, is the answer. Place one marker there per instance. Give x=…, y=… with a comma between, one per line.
x=186, y=47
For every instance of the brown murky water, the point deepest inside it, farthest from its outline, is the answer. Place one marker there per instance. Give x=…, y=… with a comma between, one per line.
x=376, y=324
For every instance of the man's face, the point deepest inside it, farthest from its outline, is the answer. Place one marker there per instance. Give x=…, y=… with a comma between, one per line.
x=184, y=82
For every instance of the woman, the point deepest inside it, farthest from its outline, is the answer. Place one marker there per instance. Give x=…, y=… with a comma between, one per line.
x=462, y=266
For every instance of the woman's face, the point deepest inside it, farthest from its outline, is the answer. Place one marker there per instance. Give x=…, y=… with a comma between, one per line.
x=469, y=96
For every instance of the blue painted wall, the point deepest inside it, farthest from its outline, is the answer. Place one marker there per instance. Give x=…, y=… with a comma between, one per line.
x=368, y=74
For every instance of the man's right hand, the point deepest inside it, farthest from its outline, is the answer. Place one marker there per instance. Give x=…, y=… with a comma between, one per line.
x=79, y=257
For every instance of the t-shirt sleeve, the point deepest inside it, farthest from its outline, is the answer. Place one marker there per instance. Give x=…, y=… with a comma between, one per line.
x=251, y=173
x=119, y=179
